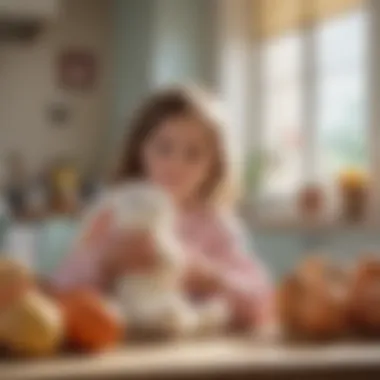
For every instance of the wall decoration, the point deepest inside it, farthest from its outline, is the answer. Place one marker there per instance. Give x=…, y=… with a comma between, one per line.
x=58, y=113
x=77, y=70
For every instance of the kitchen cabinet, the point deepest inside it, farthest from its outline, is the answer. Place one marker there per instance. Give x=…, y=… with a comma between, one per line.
x=281, y=248
x=279, y=251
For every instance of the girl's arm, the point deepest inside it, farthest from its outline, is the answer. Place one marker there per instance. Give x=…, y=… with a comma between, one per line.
x=201, y=277
x=83, y=265
x=102, y=254
x=251, y=295
x=247, y=281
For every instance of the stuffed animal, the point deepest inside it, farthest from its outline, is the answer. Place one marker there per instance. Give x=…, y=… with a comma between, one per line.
x=364, y=302
x=313, y=301
x=152, y=300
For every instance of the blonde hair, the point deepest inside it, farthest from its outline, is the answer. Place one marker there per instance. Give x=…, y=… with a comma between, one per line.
x=173, y=102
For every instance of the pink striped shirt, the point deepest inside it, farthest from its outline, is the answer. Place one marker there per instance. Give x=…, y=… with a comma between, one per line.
x=205, y=232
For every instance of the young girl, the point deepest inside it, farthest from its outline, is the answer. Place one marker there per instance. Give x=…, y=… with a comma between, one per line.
x=176, y=142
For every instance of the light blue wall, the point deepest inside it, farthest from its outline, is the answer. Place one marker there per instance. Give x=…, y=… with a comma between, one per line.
x=185, y=41
x=282, y=250
x=132, y=56
x=159, y=42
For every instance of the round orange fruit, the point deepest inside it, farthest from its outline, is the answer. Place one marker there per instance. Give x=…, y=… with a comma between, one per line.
x=91, y=324
x=15, y=282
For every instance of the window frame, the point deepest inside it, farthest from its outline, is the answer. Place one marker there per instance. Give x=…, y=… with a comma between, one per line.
x=253, y=122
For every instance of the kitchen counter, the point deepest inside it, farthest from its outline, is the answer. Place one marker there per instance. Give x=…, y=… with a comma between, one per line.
x=219, y=359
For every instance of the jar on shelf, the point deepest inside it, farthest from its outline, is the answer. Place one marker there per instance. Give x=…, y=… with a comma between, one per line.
x=354, y=193
x=311, y=202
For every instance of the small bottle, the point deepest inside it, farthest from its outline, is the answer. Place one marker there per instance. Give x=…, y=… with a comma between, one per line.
x=311, y=202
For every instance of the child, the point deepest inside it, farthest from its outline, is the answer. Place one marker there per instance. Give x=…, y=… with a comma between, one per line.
x=176, y=142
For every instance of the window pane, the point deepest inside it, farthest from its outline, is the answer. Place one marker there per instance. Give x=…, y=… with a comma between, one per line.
x=282, y=115
x=341, y=93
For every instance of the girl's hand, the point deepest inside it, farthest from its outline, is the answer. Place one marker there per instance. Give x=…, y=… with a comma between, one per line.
x=251, y=306
x=202, y=279
x=268, y=332
x=205, y=282
x=243, y=309
x=130, y=252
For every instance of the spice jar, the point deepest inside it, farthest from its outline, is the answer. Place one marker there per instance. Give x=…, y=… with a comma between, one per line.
x=354, y=189
x=311, y=202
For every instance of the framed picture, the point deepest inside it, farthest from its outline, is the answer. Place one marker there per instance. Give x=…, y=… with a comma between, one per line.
x=77, y=70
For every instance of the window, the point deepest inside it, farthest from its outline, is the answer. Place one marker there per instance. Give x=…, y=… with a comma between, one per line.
x=313, y=83
x=341, y=95
x=282, y=119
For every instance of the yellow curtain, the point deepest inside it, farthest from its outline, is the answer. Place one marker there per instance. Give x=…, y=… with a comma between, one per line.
x=329, y=8
x=276, y=17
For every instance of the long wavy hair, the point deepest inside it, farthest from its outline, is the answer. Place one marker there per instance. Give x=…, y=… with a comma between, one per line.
x=174, y=102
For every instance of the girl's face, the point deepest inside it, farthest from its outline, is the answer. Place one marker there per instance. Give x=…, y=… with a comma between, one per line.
x=178, y=156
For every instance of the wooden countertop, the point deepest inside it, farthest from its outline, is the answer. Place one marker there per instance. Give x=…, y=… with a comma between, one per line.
x=197, y=358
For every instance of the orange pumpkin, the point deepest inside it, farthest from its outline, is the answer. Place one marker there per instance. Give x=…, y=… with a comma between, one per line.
x=15, y=281
x=312, y=301
x=91, y=324
x=365, y=297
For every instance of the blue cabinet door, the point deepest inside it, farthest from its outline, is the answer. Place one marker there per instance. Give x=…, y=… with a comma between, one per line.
x=55, y=238
x=280, y=252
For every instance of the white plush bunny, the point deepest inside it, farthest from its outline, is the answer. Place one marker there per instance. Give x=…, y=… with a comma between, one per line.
x=153, y=301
